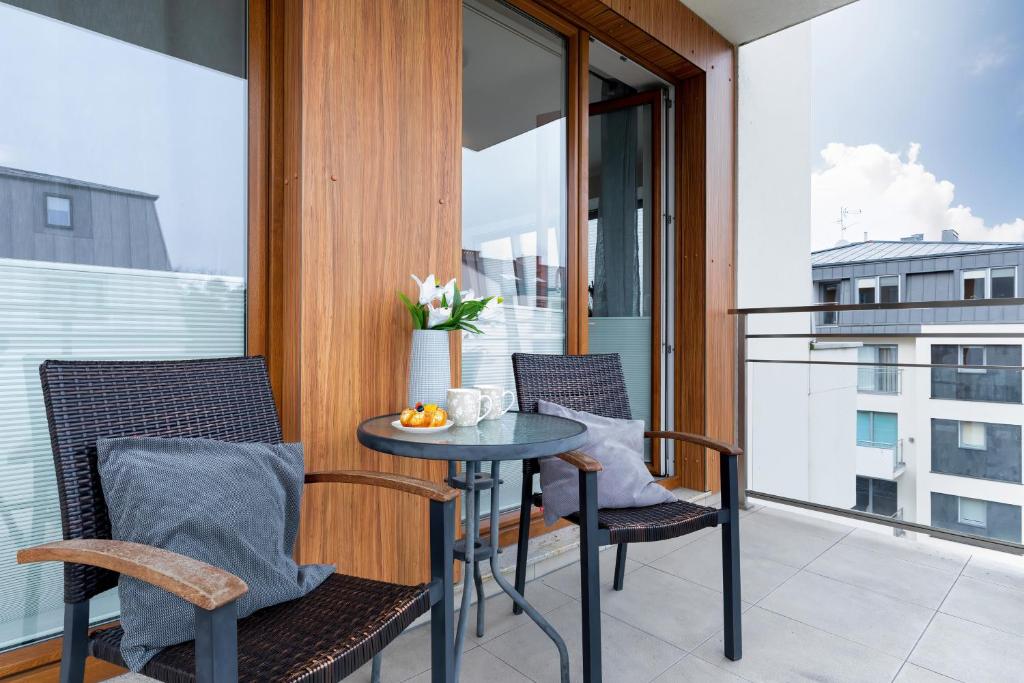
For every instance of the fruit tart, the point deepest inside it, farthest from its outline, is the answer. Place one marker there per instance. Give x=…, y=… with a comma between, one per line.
x=428, y=415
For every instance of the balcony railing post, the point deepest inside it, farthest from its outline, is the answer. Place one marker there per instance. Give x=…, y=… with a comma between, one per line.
x=741, y=406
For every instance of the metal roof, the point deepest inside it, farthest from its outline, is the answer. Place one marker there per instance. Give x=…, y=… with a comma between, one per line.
x=71, y=182
x=877, y=250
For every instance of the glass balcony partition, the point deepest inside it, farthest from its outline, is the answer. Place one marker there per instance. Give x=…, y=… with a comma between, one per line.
x=123, y=142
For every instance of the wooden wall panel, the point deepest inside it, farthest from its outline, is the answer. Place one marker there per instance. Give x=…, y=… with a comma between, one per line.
x=380, y=199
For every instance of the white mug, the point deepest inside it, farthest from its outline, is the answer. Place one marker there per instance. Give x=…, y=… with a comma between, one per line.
x=497, y=395
x=466, y=407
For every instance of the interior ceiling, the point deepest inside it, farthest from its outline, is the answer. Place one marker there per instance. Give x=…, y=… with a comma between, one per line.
x=741, y=21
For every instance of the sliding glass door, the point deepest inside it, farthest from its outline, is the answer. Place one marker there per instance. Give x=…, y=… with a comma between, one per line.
x=123, y=140
x=515, y=217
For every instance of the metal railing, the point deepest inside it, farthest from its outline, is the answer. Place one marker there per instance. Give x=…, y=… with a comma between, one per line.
x=743, y=360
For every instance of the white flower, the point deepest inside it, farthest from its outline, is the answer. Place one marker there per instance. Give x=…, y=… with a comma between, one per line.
x=437, y=316
x=490, y=308
x=447, y=293
x=428, y=289
x=467, y=295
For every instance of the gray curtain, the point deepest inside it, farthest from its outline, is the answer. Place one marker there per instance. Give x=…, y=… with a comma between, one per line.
x=616, y=270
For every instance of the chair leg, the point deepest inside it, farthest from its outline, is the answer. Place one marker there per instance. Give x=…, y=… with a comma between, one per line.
x=442, y=612
x=217, y=644
x=76, y=642
x=524, y=533
x=620, y=566
x=731, y=559
x=590, y=579
x=375, y=669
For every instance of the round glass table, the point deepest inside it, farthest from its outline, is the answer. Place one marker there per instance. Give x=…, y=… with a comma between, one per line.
x=514, y=436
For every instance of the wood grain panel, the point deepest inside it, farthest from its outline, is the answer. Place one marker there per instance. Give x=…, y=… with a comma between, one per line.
x=380, y=199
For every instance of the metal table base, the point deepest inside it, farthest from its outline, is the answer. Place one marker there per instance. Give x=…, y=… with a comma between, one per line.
x=472, y=549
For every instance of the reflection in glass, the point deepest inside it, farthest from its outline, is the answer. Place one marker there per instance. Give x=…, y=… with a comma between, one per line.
x=514, y=191
x=123, y=205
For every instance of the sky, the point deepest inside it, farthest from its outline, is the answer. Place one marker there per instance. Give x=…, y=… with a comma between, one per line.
x=918, y=119
x=82, y=105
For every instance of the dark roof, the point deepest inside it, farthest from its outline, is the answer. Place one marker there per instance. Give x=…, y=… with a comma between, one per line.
x=878, y=250
x=58, y=180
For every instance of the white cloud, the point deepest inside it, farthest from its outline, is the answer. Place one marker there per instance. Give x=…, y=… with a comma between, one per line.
x=897, y=197
x=991, y=57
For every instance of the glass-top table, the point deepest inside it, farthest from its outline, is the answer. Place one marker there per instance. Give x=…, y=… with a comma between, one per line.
x=514, y=436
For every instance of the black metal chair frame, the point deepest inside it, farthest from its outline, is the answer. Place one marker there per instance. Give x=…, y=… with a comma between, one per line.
x=595, y=384
x=234, y=403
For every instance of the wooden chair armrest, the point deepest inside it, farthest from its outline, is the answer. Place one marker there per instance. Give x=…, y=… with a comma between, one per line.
x=720, y=446
x=581, y=461
x=201, y=584
x=399, y=482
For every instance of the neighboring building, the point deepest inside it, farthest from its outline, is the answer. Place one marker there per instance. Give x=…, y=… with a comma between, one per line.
x=49, y=218
x=939, y=446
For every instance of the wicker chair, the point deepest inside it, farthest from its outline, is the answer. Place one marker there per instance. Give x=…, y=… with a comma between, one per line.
x=322, y=637
x=595, y=384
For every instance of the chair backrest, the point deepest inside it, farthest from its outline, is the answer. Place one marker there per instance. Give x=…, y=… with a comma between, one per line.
x=594, y=383
x=228, y=399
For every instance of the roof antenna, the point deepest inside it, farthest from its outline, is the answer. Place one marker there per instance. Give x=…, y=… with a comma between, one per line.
x=845, y=213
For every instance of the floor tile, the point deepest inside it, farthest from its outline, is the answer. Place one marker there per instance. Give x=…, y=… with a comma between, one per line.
x=498, y=617
x=629, y=655
x=673, y=609
x=483, y=667
x=911, y=673
x=986, y=603
x=776, y=648
x=693, y=669
x=969, y=652
x=858, y=614
x=909, y=549
x=567, y=579
x=772, y=536
x=701, y=563
x=881, y=573
x=647, y=553
x=1005, y=572
x=407, y=656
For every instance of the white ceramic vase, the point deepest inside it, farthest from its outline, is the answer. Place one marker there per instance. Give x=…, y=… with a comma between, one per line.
x=430, y=371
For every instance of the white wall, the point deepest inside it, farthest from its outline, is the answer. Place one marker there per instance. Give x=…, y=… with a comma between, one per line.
x=832, y=426
x=773, y=252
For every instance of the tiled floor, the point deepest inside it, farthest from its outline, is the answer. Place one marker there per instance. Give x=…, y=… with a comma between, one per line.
x=824, y=601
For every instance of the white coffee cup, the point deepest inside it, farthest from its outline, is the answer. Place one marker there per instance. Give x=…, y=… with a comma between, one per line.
x=466, y=407
x=498, y=395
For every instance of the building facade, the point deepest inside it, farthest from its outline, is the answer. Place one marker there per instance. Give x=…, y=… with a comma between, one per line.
x=939, y=445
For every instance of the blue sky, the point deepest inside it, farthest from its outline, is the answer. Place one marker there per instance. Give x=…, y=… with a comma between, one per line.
x=945, y=74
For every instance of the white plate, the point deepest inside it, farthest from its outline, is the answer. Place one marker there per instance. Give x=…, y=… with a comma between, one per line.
x=420, y=430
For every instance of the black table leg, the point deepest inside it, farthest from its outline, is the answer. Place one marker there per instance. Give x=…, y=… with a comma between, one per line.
x=590, y=592
x=517, y=598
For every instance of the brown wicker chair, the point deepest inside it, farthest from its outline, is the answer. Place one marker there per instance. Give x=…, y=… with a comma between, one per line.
x=322, y=637
x=595, y=384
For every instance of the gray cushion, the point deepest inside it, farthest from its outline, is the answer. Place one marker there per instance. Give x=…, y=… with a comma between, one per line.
x=232, y=505
x=625, y=481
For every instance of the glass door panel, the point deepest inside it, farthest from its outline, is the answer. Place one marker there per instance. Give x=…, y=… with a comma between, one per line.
x=623, y=242
x=514, y=192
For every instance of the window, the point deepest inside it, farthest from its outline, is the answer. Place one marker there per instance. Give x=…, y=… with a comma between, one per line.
x=1004, y=283
x=883, y=289
x=866, y=290
x=972, y=356
x=889, y=289
x=830, y=295
x=972, y=435
x=876, y=430
x=973, y=512
x=879, y=379
x=877, y=496
x=974, y=284
x=58, y=211
x=1001, y=283
x=115, y=254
